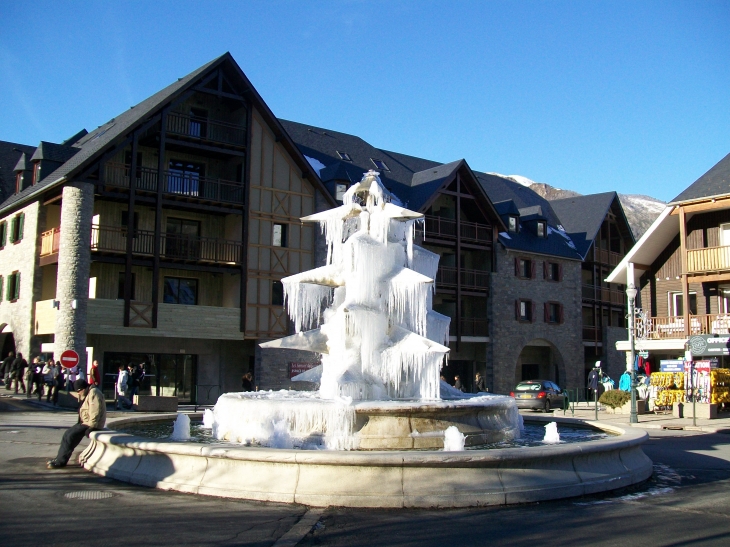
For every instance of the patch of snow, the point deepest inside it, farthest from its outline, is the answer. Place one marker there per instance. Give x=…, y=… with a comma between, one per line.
x=316, y=164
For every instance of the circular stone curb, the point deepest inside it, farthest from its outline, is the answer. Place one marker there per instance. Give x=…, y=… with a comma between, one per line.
x=375, y=479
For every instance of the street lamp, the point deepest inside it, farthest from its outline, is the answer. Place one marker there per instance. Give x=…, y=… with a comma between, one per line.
x=631, y=294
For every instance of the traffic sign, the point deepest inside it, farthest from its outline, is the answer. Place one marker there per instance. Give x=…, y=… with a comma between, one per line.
x=69, y=358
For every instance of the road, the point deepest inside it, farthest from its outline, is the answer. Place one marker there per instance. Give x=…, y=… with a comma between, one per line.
x=687, y=502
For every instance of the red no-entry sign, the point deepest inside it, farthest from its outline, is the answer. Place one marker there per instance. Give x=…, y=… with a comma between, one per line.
x=69, y=358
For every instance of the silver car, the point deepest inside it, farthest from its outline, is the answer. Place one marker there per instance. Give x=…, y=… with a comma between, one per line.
x=538, y=395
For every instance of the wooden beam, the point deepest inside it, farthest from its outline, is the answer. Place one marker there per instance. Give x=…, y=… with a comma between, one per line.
x=243, y=300
x=722, y=203
x=685, y=283
x=161, y=180
x=130, y=231
x=206, y=147
x=458, y=260
x=709, y=278
x=223, y=94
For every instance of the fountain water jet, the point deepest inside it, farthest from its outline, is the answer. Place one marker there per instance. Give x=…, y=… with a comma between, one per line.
x=380, y=341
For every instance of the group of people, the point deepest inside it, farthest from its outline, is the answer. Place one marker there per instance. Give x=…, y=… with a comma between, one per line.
x=479, y=383
x=43, y=376
x=128, y=384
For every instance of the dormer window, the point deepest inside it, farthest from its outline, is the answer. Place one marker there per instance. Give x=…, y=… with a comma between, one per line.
x=36, y=172
x=541, y=228
x=344, y=156
x=18, y=182
x=513, y=224
x=380, y=164
x=340, y=190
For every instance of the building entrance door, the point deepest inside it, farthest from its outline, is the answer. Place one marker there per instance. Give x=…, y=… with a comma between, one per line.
x=177, y=376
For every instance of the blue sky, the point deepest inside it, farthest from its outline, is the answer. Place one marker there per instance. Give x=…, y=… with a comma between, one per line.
x=590, y=96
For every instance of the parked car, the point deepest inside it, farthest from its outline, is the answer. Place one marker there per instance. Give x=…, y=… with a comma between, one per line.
x=538, y=395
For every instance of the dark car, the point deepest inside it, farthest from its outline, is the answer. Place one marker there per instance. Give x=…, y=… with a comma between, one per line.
x=538, y=395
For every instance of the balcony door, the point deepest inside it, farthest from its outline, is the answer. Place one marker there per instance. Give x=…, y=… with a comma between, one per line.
x=184, y=177
x=725, y=235
x=182, y=239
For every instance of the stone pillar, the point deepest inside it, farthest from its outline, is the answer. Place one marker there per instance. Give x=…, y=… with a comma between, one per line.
x=74, y=259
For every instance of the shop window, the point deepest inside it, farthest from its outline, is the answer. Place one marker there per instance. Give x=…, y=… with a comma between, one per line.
x=278, y=235
x=120, y=287
x=553, y=313
x=524, y=268
x=16, y=228
x=524, y=310
x=277, y=293
x=13, y=292
x=181, y=290
x=552, y=271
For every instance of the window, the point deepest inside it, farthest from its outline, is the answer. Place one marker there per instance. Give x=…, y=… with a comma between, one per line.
x=36, y=172
x=277, y=293
x=552, y=271
x=184, y=177
x=180, y=290
x=512, y=224
x=553, y=313
x=380, y=164
x=278, y=235
x=524, y=310
x=541, y=229
x=3, y=233
x=725, y=235
x=182, y=239
x=120, y=289
x=18, y=182
x=13, y=292
x=676, y=307
x=524, y=268
x=16, y=228
x=340, y=190
x=1, y=288
x=344, y=156
x=198, y=123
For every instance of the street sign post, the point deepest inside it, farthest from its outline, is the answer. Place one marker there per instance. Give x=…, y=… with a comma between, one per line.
x=69, y=359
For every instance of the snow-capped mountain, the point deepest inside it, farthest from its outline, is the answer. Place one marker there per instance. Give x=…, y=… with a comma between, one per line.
x=640, y=210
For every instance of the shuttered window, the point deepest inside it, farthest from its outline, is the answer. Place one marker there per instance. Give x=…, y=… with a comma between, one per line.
x=524, y=310
x=3, y=233
x=13, y=292
x=553, y=313
x=16, y=228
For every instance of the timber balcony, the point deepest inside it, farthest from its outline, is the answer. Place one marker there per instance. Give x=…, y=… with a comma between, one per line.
x=470, y=327
x=174, y=247
x=662, y=328
x=177, y=184
x=603, y=294
x=707, y=260
x=604, y=256
x=472, y=280
x=198, y=128
x=445, y=228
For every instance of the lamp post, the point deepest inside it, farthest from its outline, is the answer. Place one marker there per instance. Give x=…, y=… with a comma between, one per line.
x=631, y=294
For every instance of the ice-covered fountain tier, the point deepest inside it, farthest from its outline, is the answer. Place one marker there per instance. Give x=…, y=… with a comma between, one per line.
x=381, y=345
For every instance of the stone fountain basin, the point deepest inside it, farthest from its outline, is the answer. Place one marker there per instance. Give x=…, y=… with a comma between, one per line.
x=374, y=478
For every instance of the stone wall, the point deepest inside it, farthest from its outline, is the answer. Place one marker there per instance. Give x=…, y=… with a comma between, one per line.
x=509, y=336
x=614, y=361
x=22, y=256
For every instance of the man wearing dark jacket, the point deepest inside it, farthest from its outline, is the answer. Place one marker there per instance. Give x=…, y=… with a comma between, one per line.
x=92, y=416
x=5, y=369
x=17, y=370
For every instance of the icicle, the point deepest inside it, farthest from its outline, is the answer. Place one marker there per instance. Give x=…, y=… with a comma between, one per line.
x=304, y=302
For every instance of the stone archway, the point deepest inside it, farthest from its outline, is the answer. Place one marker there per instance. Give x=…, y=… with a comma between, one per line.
x=540, y=359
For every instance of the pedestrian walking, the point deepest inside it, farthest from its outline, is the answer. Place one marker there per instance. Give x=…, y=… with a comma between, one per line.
x=457, y=383
x=95, y=375
x=50, y=373
x=92, y=416
x=247, y=382
x=28, y=378
x=123, y=388
x=17, y=371
x=481, y=385
x=5, y=370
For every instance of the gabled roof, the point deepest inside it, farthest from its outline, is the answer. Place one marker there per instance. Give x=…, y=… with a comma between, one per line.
x=54, y=152
x=582, y=216
x=9, y=158
x=506, y=207
x=23, y=163
x=532, y=213
x=716, y=182
x=94, y=144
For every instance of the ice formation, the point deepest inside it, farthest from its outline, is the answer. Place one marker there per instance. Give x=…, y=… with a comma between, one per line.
x=367, y=312
x=551, y=433
x=453, y=439
x=181, y=428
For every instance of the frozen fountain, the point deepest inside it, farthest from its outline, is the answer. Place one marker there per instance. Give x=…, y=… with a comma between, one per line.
x=382, y=431
x=382, y=345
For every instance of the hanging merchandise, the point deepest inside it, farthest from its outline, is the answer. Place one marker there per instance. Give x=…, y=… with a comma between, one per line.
x=624, y=383
x=720, y=386
x=665, y=389
x=697, y=384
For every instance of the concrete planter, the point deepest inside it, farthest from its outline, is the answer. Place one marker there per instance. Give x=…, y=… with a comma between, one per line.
x=704, y=410
x=375, y=479
x=626, y=409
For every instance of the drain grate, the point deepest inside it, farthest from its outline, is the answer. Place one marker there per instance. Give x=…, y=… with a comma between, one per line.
x=88, y=495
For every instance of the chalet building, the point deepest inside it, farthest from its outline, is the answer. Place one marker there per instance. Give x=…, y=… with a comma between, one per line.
x=161, y=236
x=602, y=236
x=510, y=276
x=681, y=266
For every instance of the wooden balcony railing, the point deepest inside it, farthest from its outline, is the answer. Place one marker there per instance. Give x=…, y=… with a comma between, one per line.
x=710, y=259
x=470, y=279
x=179, y=183
x=604, y=294
x=592, y=334
x=604, y=256
x=172, y=246
x=660, y=328
x=446, y=228
x=50, y=241
x=470, y=327
x=205, y=129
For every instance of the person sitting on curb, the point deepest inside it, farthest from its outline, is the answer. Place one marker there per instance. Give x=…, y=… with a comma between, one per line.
x=92, y=416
